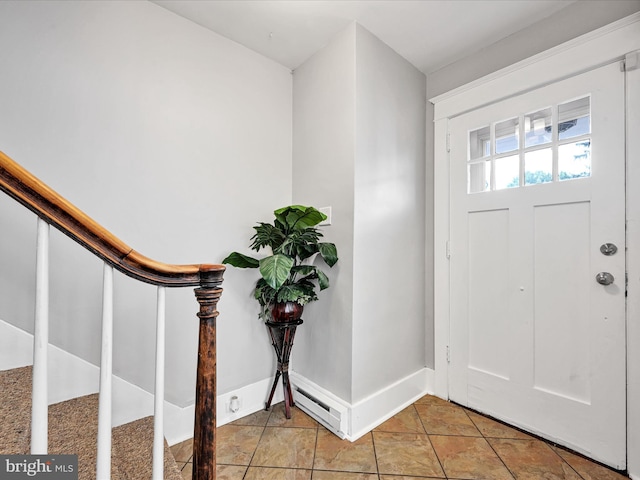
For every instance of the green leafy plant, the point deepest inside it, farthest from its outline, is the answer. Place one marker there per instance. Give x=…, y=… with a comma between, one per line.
x=287, y=275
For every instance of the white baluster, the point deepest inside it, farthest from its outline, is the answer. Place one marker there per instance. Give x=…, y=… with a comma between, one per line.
x=158, y=418
x=39, y=410
x=103, y=467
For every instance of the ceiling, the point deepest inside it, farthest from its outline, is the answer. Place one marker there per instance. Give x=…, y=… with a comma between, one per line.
x=429, y=33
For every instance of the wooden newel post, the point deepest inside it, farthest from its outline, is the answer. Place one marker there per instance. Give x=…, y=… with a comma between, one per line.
x=204, y=435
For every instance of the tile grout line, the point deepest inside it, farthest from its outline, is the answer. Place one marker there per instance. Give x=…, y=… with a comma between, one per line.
x=563, y=460
x=533, y=438
x=375, y=454
x=430, y=442
x=590, y=461
x=264, y=428
x=491, y=434
x=490, y=446
x=315, y=448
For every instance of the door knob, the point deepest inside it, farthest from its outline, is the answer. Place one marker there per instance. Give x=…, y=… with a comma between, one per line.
x=604, y=278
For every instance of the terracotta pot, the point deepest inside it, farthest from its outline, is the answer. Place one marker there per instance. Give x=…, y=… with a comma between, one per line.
x=286, y=311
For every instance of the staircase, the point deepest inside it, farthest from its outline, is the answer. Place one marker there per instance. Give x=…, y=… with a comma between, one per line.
x=73, y=429
x=82, y=426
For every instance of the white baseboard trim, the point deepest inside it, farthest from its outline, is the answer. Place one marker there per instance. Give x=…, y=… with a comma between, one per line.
x=370, y=412
x=132, y=403
x=384, y=404
x=16, y=347
x=251, y=399
x=71, y=376
x=431, y=381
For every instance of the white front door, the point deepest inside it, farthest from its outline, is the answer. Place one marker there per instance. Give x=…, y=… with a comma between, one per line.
x=537, y=203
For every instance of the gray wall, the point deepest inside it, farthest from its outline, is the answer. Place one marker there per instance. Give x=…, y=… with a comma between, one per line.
x=175, y=139
x=179, y=140
x=574, y=20
x=359, y=140
x=323, y=172
x=389, y=218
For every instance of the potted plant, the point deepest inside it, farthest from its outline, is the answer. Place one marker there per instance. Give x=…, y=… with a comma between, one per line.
x=288, y=280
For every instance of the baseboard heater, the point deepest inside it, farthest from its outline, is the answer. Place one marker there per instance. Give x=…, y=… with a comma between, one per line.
x=333, y=417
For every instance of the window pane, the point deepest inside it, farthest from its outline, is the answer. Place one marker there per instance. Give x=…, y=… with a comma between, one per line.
x=479, y=143
x=537, y=128
x=507, y=172
x=538, y=167
x=574, y=118
x=507, y=136
x=479, y=177
x=574, y=160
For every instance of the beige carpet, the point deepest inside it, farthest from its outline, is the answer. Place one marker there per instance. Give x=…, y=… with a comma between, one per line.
x=134, y=459
x=15, y=410
x=73, y=429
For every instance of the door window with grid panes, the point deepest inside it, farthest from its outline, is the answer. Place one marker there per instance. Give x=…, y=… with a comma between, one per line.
x=550, y=144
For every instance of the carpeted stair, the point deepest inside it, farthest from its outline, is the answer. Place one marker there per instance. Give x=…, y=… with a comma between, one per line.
x=15, y=410
x=73, y=429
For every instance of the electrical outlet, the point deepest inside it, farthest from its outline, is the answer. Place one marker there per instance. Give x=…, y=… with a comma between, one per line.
x=234, y=404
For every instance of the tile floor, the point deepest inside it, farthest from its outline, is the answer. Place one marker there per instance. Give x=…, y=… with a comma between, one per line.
x=431, y=439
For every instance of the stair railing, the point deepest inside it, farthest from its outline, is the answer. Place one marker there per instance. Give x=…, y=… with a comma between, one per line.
x=53, y=209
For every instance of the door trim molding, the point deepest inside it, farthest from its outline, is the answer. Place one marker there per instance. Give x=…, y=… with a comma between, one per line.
x=602, y=46
x=633, y=272
x=586, y=52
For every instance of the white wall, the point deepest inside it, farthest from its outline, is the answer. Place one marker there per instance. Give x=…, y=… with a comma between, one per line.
x=389, y=216
x=323, y=175
x=175, y=139
x=359, y=140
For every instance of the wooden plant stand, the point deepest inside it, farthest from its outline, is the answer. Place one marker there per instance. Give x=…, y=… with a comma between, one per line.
x=282, y=334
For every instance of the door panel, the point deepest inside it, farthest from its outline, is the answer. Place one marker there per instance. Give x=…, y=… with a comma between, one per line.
x=561, y=276
x=537, y=186
x=489, y=273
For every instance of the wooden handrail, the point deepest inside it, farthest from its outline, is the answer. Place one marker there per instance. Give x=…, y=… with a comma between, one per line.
x=28, y=190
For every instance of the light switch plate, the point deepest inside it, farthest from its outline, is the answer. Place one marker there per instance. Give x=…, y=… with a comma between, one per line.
x=327, y=212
